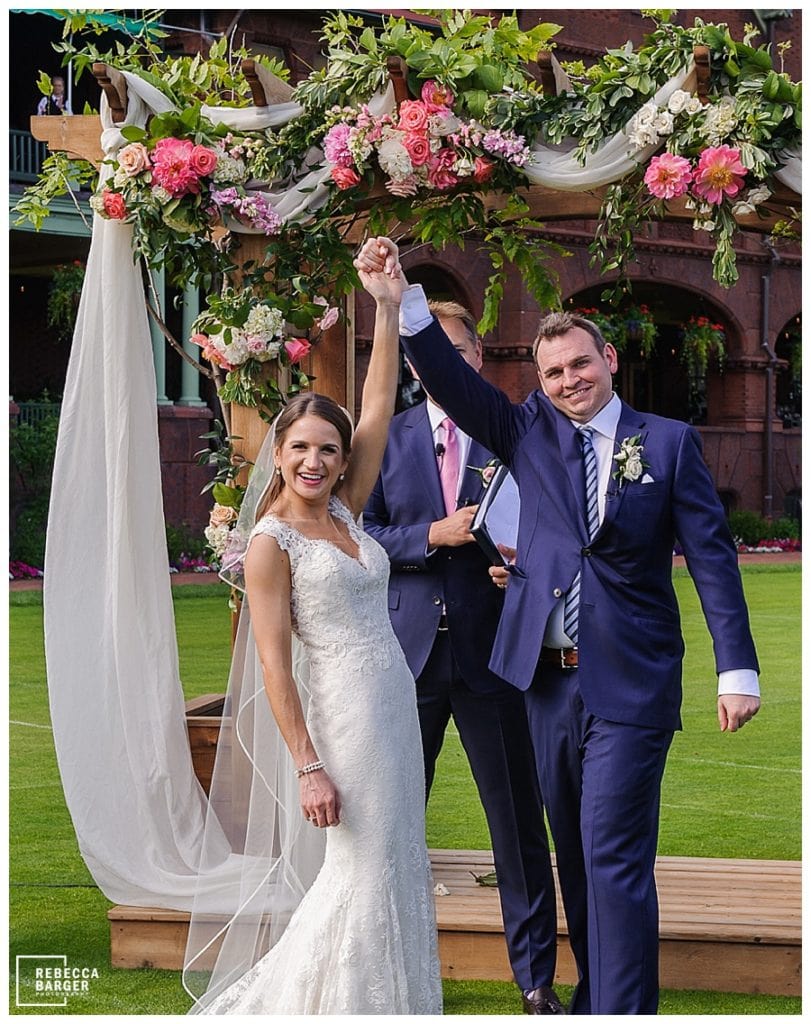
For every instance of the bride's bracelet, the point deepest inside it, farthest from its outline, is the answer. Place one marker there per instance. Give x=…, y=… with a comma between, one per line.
x=314, y=766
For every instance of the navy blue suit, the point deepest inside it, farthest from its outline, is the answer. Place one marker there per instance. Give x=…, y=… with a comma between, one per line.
x=448, y=657
x=602, y=731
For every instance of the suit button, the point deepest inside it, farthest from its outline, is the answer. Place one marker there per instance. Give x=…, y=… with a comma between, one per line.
x=557, y=592
x=437, y=600
x=586, y=552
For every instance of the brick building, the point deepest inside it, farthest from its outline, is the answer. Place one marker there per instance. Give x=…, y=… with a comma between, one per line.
x=748, y=415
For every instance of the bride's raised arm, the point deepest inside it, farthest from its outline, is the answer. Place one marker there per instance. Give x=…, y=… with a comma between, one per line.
x=380, y=388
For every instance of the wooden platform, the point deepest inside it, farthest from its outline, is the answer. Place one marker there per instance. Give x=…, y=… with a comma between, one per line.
x=725, y=925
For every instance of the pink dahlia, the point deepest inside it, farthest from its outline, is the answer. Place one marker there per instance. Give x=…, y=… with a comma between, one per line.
x=668, y=176
x=719, y=173
x=171, y=167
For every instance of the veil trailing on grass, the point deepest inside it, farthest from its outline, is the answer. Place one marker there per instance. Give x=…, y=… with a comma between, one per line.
x=245, y=900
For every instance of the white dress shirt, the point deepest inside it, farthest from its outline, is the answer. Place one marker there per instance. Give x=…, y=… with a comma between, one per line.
x=414, y=317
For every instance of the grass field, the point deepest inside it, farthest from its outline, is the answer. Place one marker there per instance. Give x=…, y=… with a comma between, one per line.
x=724, y=795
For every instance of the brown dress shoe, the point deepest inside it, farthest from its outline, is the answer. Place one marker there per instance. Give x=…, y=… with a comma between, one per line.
x=541, y=1000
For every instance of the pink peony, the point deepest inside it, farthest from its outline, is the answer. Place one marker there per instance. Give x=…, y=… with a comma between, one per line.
x=439, y=170
x=134, y=158
x=171, y=168
x=483, y=169
x=413, y=116
x=345, y=177
x=297, y=349
x=203, y=160
x=336, y=145
x=436, y=96
x=668, y=176
x=114, y=205
x=719, y=173
x=418, y=147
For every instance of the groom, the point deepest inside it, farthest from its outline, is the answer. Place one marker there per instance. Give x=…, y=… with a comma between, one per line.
x=590, y=630
x=445, y=612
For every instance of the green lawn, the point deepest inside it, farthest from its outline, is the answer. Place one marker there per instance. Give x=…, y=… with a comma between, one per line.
x=725, y=796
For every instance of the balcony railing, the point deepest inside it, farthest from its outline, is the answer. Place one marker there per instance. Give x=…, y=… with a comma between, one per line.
x=27, y=154
x=35, y=412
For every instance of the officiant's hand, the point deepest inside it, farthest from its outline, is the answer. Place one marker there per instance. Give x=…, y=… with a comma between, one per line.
x=320, y=803
x=453, y=530
x=499, y=574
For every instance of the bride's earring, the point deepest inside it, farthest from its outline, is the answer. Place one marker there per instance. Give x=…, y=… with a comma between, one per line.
x=278, y=471
x=341, y=477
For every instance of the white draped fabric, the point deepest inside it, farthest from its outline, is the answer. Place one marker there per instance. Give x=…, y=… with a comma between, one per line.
x=115, y=694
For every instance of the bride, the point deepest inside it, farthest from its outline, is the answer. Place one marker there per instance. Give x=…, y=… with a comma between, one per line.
x=347, y=925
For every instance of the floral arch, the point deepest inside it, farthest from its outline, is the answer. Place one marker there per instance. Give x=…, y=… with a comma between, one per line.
x=216, y=171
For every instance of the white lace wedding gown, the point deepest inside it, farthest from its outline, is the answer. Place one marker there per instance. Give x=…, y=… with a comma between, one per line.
x=363, y=940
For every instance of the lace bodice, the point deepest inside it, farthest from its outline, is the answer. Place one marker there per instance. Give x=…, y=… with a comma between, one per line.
x=338, y=602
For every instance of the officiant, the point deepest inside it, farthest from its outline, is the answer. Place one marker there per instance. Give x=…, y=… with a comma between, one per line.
x=445, y=612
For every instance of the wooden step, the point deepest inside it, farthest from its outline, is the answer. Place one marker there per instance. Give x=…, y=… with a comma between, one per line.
x=725, y=925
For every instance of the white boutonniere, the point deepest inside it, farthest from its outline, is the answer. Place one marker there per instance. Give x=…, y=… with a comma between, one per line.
x=630, y=463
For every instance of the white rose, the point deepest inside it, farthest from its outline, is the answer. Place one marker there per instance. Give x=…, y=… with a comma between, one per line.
x=633, y=466
x=693, y=105
x=663, y=123
x=678, y=101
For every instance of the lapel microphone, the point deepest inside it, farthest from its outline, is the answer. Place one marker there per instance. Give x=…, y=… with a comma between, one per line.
x=439, y=449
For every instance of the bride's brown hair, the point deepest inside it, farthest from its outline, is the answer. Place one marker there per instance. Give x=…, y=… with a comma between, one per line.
x=308, y=404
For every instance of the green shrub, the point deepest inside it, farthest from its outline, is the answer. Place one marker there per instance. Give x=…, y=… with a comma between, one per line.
x=784, y=528
x=184, y=540
x=748, y=527
x=32, y=447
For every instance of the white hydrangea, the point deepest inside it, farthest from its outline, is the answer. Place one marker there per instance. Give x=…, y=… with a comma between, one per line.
x=217, y=537
x=229, y=169
x=641, y=129
x=264, y=321
x=393, y=157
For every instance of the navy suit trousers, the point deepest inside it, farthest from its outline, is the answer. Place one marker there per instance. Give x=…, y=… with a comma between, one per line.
x=601, y=782
x=495, y=735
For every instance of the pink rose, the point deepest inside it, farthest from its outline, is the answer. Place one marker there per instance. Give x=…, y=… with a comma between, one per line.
x=134, y=158
x=171, y=167
x=418, y=148
x=329, y=319
x=114, y=205
x=297, y=349
x=221, y=515
x=413, y=116
x=436, y=96
x=203, y=160
x=483, y=169
x=439, y=170
x=345, y=177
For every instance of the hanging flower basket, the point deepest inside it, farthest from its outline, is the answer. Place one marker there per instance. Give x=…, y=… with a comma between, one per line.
x=702, y=340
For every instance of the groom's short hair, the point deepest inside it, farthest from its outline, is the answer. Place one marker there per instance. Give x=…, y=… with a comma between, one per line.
x=553, y=325
x=455, y=311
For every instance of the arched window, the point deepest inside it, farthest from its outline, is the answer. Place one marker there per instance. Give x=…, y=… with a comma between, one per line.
x=788, y=389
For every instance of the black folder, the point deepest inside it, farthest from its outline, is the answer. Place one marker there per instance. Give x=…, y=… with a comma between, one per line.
x=496, y=519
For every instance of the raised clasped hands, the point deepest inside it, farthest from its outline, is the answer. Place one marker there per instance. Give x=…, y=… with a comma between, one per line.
x=378, y=266
x=735, y=710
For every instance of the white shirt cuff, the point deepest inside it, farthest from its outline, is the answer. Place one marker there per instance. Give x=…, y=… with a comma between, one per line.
x=739, y=680
x=415, y=315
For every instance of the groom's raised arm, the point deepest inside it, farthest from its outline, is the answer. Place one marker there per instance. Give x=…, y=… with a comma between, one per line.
x=480, y=409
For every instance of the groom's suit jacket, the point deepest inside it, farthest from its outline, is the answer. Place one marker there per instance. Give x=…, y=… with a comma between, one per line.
x=630, y=643
x=405, y=501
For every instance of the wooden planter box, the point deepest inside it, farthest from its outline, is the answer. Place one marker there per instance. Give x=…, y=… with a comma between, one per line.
x=203, y=718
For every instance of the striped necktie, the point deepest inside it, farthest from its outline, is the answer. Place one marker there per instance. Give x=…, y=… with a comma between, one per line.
x=571, y=605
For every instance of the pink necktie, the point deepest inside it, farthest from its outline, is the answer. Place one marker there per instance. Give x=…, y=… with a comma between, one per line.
x=449, y=466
